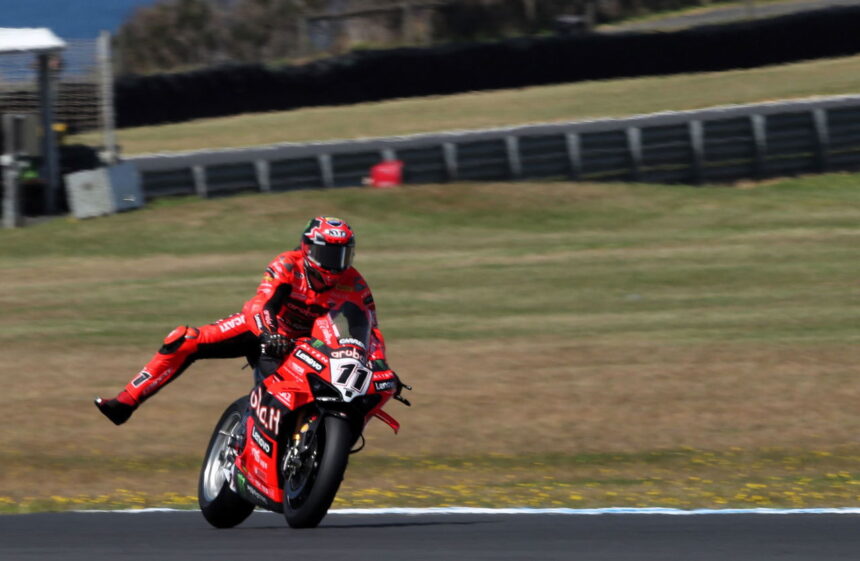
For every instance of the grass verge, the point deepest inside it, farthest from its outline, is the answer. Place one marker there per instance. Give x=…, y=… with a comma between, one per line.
x=562, y=102
x=686, y=479
x=588, y=326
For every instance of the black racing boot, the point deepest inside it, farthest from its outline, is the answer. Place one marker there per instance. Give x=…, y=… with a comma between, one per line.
x=115, y=409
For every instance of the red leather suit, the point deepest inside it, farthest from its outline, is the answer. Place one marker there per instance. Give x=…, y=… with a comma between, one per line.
x=284, y=303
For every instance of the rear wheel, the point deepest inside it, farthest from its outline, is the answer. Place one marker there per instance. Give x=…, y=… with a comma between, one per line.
x=220, y=505
x=313, y=480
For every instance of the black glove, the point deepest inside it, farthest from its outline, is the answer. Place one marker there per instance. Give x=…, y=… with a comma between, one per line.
x=274, y=344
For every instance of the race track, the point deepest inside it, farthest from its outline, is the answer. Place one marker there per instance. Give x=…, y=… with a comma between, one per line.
x=171, y=535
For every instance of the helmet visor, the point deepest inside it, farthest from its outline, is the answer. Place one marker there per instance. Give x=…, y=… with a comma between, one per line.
x=335, y=258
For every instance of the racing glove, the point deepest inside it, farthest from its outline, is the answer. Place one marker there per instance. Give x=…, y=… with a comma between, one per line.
x=274, y=344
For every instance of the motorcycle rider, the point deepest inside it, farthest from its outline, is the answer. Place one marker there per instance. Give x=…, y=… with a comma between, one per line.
x=298, y=286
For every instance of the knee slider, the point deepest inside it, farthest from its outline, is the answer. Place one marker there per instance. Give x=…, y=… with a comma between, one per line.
x=176, y=338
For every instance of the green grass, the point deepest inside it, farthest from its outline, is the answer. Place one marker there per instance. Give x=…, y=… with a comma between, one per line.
x=643, y=260
x=562, y=102
x=686, y=478
x=639, y=329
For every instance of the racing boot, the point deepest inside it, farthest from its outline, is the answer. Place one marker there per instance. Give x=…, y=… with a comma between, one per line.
x=170, y=359
x=118, y=409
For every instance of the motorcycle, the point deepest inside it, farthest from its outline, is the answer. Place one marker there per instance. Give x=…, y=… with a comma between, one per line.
x=285, y=447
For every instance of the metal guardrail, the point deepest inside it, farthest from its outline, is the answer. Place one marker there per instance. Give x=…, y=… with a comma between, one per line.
x=714, y=145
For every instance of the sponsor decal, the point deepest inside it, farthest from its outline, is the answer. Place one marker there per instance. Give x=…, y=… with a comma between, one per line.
x=351, y=341
x=335, y=233
x=141, y=378
x=261, y=441
x=318, y=355
x=262, y=462
x=285, y=397
x=259, y=321
x=309, y=360
x=267, y=318
x=269, y=417
x=346, y=353
x=297, y=368
x=232, y=323
x=158, y=382
x=257, y=496
x=317, y=344
x=385, y=385
x=385, y=375
x=259, y=473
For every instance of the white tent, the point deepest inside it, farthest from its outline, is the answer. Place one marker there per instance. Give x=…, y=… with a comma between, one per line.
x=42, y=43
x=29, y=40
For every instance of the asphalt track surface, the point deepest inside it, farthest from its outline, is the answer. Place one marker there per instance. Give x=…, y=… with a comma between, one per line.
x=165, y=536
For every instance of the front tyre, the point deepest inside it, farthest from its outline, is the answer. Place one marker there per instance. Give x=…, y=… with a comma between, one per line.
x=222, y=507
x=310, y=488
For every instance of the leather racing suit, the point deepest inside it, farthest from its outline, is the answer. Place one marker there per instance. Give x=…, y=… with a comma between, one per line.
x=285, y=303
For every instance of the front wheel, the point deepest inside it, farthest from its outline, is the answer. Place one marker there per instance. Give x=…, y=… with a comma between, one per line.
x=220, y=505
x=310, y=487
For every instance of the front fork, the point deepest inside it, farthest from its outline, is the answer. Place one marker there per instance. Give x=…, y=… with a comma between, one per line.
x=304, y=432
x=308, y=422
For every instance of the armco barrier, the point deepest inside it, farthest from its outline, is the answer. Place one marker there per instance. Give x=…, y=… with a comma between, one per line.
x=706, y=146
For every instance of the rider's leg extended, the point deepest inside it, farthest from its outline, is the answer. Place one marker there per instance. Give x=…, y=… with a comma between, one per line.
x=226, y=338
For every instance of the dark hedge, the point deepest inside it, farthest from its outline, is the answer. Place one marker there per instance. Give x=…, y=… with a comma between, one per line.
x=385, y=74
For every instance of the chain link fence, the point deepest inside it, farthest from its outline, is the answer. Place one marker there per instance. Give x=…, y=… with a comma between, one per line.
x=47, y=91
x=82, y=85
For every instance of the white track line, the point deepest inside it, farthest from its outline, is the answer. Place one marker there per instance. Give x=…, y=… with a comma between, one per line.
x=563, y=511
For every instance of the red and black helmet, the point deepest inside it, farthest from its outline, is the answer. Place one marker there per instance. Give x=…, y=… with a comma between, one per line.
x=328, y=246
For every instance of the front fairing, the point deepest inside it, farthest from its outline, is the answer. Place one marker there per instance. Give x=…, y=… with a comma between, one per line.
x=325, y=374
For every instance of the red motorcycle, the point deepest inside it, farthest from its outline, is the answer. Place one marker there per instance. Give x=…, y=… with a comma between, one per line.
x=285, y=447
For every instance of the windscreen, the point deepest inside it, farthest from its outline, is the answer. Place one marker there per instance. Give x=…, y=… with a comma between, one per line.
x=352, y=325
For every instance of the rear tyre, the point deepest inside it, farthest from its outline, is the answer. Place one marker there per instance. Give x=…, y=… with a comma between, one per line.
x=222, y=507
x=310, y=490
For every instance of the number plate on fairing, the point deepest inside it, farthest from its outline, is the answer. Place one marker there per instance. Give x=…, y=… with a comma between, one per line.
x=350, y=376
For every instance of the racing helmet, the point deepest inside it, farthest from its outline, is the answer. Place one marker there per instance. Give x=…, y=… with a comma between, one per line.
x=328, y=246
